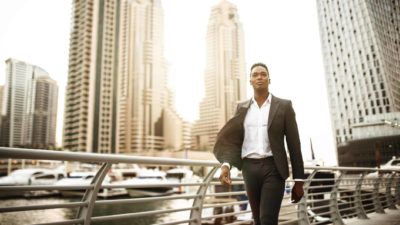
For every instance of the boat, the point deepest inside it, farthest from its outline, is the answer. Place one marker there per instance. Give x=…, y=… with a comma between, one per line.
x=144, y=177
x=85, y=178
x=392, y=164
x=123, y=172
x=183, y=175
x=30, y=176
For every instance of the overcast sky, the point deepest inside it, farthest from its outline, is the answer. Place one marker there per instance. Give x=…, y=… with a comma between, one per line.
x=282, y=34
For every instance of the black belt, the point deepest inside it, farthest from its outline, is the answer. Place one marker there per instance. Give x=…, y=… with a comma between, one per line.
x=258, y=159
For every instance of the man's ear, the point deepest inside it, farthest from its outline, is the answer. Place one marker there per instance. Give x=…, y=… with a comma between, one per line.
x=269, y=80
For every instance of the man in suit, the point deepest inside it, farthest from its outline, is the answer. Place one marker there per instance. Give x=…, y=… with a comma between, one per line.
x=253, y=141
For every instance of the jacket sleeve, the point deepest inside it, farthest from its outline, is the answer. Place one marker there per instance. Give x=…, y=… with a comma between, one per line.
x=228, y=144
x=293, y=143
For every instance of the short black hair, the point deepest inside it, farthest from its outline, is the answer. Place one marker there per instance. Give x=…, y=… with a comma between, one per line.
x=259, y=64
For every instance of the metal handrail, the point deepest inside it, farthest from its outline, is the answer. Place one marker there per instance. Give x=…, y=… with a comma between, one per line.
x=350, y=192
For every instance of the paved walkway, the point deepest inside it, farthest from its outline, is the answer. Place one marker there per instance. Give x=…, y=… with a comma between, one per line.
x=390, y=217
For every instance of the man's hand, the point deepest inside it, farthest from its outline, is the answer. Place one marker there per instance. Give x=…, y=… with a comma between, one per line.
x=225, y=177
x=297, y=191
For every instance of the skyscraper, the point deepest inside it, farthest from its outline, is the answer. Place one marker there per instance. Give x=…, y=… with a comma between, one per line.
x=361, y=50
x=224, y=74
x=117, y=96
x=90, y=99
x=44, y=113
x=29, y=108
x=142, y=79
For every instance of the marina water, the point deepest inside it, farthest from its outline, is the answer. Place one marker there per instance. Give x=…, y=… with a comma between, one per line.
x=53, y=215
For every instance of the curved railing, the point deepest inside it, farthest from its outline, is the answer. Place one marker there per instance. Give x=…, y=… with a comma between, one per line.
x=332, y=194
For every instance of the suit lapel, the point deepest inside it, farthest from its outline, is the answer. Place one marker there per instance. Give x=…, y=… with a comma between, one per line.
x=272, y=110
x=243, y=108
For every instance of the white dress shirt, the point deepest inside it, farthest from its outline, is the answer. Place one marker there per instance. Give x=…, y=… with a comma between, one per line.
x=256, y=142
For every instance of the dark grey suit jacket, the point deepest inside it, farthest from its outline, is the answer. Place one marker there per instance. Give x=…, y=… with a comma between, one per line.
x=281, y=124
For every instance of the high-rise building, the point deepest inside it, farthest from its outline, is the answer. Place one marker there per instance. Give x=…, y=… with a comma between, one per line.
x=29, y=109
x=224, y=74
x=117, y=91
x=89, y=115
x=44, y=113
x=142, y=78
x=361, y=50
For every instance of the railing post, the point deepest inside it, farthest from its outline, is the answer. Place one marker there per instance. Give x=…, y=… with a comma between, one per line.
x=333, y=202
x=302, y=206
x=199, y=201
x=358, y=199
x=91, y=194
x=390, y=200
x=375, y=194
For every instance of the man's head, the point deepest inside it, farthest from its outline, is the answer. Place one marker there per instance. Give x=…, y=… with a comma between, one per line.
x=259, y=77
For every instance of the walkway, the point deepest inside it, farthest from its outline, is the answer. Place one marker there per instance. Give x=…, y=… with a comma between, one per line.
x=390, y=217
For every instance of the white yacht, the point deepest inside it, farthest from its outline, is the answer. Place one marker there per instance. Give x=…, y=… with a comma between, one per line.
x=30, y=176
x=393, y=164
x=183, y=175
x=155, y=178
x=85, y=178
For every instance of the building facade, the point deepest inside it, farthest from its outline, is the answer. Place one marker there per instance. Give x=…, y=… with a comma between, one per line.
x=44, y=118
x=28, y=105
x=91, y=88
x=224, y=74
x=361, y=51
x=117, y=93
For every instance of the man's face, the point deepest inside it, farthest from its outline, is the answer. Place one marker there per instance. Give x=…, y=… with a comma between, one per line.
x=259, y=78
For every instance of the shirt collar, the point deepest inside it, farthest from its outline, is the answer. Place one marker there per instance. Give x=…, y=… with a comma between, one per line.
x=268, y=101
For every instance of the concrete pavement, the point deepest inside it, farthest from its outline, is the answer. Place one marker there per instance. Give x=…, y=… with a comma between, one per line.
x=390, y=217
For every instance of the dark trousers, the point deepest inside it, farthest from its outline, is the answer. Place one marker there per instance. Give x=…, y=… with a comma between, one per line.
x=265, y=188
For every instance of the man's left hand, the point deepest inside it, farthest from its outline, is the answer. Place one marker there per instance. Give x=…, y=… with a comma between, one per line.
x=297, y=191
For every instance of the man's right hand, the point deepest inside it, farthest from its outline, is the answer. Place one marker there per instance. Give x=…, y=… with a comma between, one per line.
x=225, y=177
